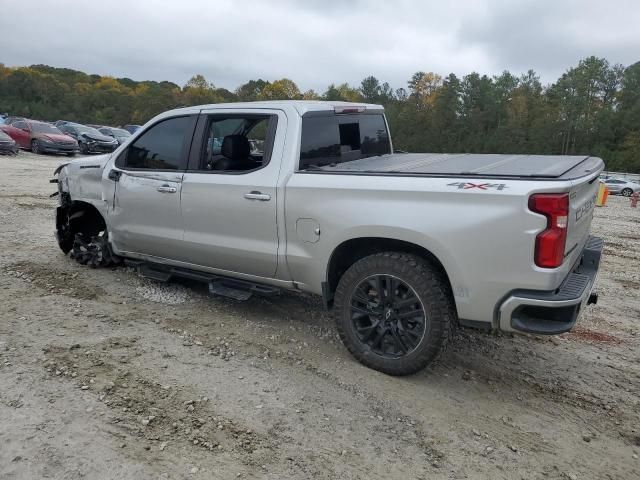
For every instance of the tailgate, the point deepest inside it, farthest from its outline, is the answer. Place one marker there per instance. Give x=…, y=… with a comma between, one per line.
x=582, y=200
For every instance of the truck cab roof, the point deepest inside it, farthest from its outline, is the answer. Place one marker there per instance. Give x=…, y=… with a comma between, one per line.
x=301, y=106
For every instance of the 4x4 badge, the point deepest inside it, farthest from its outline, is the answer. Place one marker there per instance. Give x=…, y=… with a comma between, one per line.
x=479, y=186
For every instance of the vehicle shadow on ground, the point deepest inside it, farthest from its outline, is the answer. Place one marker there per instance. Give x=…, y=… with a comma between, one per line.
x=474, y=353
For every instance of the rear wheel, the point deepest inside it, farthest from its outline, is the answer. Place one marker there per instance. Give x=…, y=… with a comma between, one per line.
x=394, y=312
x=83, y=148
x=35, y=146
x=627, y=192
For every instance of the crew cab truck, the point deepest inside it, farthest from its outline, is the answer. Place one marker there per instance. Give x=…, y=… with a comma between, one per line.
x=255, y=198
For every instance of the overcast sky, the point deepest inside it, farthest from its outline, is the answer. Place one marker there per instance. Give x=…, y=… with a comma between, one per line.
x=316, y=42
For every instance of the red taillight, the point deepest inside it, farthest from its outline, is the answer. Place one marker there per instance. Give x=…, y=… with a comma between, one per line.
x=550, y=243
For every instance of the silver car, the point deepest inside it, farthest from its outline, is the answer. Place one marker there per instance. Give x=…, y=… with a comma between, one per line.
x=620, y=186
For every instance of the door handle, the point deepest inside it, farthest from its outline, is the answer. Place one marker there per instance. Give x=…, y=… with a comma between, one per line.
x=254, y=195
x=167, y=189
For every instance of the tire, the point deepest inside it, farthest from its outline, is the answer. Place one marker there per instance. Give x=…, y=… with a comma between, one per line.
x=35, y=147
x=83, y=148
x=627, y=192
x=95, y=252
x=71, y=154
x=405, y=332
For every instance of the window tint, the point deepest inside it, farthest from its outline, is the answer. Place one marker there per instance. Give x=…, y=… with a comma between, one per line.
x=236, y=143
x=342, y=138
x=160, y=147
x=19, y=125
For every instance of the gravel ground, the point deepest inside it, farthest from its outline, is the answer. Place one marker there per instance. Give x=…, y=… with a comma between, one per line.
x=105, y=375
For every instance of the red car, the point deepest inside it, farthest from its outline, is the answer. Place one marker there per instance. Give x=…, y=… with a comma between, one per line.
x=40, y=137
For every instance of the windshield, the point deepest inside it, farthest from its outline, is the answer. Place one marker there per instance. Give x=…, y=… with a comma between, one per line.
x=45, y=128
x=118, y=132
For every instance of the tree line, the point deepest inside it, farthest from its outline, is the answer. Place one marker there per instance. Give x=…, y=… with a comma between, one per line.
x=592, y=109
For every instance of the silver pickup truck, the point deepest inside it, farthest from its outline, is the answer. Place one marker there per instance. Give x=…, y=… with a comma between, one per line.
x=256, y=198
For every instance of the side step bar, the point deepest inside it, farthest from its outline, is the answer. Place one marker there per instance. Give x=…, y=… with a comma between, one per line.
x=218, y=285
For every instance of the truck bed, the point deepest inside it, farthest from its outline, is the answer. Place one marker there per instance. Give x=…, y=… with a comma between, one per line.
x=563, y=167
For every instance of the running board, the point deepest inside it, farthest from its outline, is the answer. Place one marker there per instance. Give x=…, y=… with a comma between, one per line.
x=234, y=288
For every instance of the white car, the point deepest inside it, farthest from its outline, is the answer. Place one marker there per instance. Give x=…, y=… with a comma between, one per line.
x=620, y=186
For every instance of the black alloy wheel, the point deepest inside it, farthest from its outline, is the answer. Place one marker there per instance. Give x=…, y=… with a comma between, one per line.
x=387, y=316
x=394, y=311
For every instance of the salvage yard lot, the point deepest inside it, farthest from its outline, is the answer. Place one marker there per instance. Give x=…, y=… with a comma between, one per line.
x=107, y=375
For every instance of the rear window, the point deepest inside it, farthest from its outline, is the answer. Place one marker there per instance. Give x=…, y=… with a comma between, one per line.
x=337, y=139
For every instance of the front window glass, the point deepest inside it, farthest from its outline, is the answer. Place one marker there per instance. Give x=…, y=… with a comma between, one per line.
x=160, y=147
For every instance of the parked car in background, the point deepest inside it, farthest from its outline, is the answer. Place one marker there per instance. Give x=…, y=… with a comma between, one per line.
x=119, y=134
x=40, y=137
x=10, y=120
x=7, y=144
x=89, y=139
x=620, y=186
x=132, y=128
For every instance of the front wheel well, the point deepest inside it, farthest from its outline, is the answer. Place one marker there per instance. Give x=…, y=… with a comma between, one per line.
x=82, y=217
x=350, y=251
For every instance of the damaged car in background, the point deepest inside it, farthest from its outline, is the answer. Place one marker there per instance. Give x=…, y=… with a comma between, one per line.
x=89, y=139
x=310, y=196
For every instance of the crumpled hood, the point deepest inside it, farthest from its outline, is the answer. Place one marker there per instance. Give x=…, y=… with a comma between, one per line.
x=98, y=137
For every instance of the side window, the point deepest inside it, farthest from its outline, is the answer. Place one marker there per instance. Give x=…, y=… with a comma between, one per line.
x=237, y=143
x=160, y=147
x=336, y=139
x=21, y=125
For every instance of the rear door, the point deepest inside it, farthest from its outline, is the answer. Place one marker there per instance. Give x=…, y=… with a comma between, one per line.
x=145, y=216
x=229, y=194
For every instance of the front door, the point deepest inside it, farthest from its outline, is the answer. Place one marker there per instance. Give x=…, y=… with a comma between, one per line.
x=144, y=215
x=229, y=194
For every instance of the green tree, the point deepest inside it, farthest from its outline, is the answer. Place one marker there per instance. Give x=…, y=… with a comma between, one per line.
x=283, y=89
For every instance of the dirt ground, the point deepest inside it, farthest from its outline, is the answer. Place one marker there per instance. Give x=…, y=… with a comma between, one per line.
x=105, y=375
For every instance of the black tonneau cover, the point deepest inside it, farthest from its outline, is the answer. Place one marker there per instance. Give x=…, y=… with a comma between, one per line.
x=466, y=164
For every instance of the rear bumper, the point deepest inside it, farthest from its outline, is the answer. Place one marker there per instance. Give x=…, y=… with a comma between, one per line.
x=554, y=312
